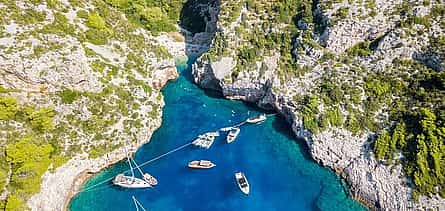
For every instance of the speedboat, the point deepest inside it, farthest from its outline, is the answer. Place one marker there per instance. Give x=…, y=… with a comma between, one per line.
x=242, y=182
x=233, y=133
x=257, y=119
x=201, y=164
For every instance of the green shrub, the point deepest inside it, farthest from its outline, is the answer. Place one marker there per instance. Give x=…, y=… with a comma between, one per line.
x=155, y=20
x=82, y=14
x=353, y=124
x=342, y=13
x=60, y=26
x=96, y=22
x=41, y=120
x=438, y=10
x=335, y=117
x=360, y=49
x=97, y=37
x=29, y=162
x=68, y=96
x=309, y=112
x=8, y=108
x=14, y=203
x=382, y=145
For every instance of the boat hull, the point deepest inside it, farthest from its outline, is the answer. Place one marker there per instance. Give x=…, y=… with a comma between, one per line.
x=233, y=134
x=244, y=185
x=130, y=182
x=256, y=120
x=196, y=165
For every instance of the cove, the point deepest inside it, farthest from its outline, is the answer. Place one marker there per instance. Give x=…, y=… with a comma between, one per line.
x=280, y=172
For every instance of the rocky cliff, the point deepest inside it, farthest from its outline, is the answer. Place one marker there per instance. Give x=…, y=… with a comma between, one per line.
x=79, y=89
x=316, y=72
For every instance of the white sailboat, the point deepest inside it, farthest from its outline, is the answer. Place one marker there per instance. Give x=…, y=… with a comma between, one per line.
x=132, y=181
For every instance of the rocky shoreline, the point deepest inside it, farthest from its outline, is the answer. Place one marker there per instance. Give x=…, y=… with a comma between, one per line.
x=377, y=186
x=81, y=178
x=55, y=193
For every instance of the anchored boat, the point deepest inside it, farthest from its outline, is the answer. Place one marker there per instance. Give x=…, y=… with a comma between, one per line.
x=242, y=182
x=125, y=181
x=205, y=140
x=226, y=129
x=257, y=119
x=233, y=133
x=201, y=164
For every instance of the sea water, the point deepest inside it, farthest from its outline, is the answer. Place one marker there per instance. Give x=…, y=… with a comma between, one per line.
x=281, y=174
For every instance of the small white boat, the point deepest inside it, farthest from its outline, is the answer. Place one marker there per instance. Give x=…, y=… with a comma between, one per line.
x=226, y=129
x=241, y=180
x=124, y=181
x=233, y=133
x=201, y=164
x=257, y=119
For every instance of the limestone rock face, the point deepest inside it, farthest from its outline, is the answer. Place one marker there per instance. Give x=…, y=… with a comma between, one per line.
x=204, y=76
x=372, y=183
x=101, y=83
x=164, y=73
x=324, y=54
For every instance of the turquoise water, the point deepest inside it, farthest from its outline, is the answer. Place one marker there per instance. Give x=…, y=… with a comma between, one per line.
x=280, y=172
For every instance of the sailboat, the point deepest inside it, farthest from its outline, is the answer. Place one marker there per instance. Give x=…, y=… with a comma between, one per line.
x=138, y=204
x=125, y=181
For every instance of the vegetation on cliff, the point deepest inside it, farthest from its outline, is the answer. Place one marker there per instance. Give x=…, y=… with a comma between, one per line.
x=85, y=87
x=401, y=103
x=156, y=16
x=417, y=136
x=28, y=151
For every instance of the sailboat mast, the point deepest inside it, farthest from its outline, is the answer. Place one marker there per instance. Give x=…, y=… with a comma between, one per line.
x=137, y=167
x=131, y=167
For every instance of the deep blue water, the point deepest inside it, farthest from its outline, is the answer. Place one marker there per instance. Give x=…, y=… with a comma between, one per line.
x=280, y=173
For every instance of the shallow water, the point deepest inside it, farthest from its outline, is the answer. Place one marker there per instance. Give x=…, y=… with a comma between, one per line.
x=280, y=173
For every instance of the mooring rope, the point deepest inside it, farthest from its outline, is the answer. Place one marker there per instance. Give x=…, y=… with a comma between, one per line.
x=153, y=159
x=143, y=164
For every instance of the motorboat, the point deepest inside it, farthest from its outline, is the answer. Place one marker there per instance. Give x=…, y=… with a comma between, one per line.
x=201, y=164
x=233, y=133
x=257, y=119
x=242, y=182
